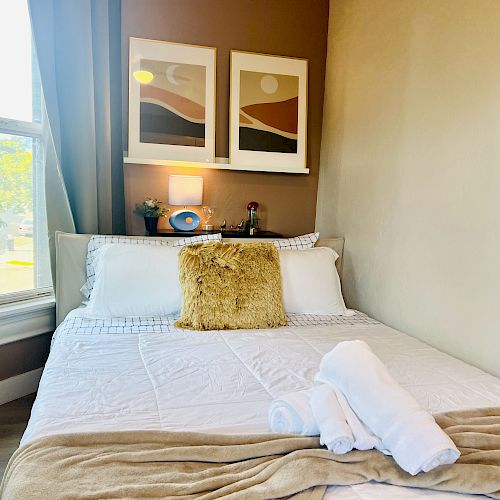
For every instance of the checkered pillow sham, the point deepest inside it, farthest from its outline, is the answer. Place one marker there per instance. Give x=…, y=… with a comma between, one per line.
x=78, y=325
x=97, y=241
x=297, y=243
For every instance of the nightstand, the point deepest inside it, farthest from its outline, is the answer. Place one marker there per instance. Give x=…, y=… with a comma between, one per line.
x=171, y=233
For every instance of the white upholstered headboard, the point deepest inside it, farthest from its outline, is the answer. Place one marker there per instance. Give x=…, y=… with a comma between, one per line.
x=71, y=253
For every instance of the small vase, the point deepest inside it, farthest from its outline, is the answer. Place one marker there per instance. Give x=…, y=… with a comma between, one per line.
x=151, y=224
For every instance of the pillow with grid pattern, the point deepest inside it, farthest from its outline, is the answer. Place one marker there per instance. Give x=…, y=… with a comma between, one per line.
x=297, y=243
x=98, y=240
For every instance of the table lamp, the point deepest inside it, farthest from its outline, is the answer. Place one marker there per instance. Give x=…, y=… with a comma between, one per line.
x=185, y=190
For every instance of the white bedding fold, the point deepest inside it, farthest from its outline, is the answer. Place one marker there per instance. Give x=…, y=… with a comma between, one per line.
x=334, y=431
x=292, y=414
x=410, y=434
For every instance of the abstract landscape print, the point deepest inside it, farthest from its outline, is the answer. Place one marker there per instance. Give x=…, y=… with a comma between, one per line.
x=268, y=118
x=172, y=103
x=268, y=112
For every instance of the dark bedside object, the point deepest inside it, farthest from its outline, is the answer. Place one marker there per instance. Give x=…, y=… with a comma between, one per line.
x=170, y=233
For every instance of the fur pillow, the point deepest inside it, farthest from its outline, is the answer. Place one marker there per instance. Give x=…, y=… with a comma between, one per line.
x=226, y=286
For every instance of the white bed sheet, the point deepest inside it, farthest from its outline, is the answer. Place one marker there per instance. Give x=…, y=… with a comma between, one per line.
x=143, y=373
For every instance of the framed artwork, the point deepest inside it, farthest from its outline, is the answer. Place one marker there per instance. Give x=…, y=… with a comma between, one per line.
x=171, y=101
x=268, y=116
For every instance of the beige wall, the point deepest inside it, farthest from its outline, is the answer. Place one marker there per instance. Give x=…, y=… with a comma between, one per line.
x=281, y=27
x=410, y=167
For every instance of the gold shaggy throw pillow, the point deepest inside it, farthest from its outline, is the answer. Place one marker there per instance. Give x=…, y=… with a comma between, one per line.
x=226, y=286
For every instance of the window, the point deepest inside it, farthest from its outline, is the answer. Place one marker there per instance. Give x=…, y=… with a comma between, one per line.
x=24, y=260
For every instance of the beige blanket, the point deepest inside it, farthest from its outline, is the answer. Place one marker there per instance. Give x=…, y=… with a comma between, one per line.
x=148, y=464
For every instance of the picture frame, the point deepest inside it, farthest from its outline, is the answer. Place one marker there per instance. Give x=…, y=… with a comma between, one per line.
x=171, y=101
x=268, y=110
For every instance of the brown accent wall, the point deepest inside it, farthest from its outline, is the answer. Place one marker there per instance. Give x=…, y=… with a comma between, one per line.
x=24, y=355
x=283, y=27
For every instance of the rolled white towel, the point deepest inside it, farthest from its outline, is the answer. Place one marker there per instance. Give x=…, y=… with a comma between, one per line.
x=292, y=414
x=405, y=429
x=334, y=432
x=364, y=439
x=429, y=448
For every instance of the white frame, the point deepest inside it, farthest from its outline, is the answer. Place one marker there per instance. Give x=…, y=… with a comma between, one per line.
x=264, y=63
x=34, y=130
x=172, y=52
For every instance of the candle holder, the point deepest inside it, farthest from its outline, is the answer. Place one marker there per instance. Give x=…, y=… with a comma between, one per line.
x=208, y=213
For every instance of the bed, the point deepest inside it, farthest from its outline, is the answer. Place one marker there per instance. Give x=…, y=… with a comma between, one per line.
x=143, y=373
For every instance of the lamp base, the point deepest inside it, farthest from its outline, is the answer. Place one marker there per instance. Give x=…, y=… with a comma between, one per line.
x=184, y=220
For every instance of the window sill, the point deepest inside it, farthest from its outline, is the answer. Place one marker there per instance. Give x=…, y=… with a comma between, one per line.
x=27, y=318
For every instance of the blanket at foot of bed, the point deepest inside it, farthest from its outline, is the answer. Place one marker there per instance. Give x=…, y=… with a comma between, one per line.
x=145, y=464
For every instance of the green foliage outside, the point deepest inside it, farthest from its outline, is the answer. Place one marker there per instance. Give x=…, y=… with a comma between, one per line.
x=16, y=187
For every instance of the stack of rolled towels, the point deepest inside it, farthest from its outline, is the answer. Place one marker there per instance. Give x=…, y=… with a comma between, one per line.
x=357, y=404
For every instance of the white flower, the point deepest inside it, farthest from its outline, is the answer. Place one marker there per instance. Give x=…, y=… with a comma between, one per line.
x=149, y=203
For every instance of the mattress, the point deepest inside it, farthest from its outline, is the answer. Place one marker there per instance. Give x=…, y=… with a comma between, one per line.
x=143, y=373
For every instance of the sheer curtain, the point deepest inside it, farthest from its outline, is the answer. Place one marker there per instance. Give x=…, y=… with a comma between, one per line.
x=78, y=48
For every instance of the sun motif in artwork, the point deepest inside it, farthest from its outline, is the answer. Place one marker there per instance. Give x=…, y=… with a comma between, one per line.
x=268, y=112
x=269, y=84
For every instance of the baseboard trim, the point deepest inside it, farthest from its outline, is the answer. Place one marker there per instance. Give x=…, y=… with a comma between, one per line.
x=21, y=385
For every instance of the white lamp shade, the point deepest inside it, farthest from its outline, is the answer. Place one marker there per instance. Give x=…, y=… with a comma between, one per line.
x=185, y=190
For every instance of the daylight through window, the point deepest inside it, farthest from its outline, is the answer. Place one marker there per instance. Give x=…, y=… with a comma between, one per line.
x=24, y=263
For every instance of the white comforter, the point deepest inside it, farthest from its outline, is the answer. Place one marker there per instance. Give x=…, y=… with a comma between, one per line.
x=142, y=373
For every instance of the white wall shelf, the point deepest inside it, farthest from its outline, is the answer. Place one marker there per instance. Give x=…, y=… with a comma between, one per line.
x=220, y=164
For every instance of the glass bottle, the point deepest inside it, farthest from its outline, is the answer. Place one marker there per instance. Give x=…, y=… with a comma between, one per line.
x=252, y=225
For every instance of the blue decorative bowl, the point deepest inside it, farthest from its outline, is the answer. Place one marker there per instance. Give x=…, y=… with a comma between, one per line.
x=184, y=220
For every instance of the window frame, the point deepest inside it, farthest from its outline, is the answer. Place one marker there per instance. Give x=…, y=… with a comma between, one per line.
x=33, y=130
x=18, y=127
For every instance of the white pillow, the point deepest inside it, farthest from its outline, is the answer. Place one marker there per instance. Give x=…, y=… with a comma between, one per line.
x=136, y=280
x=298, y=242
x=98, y=240
x=311, y=284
